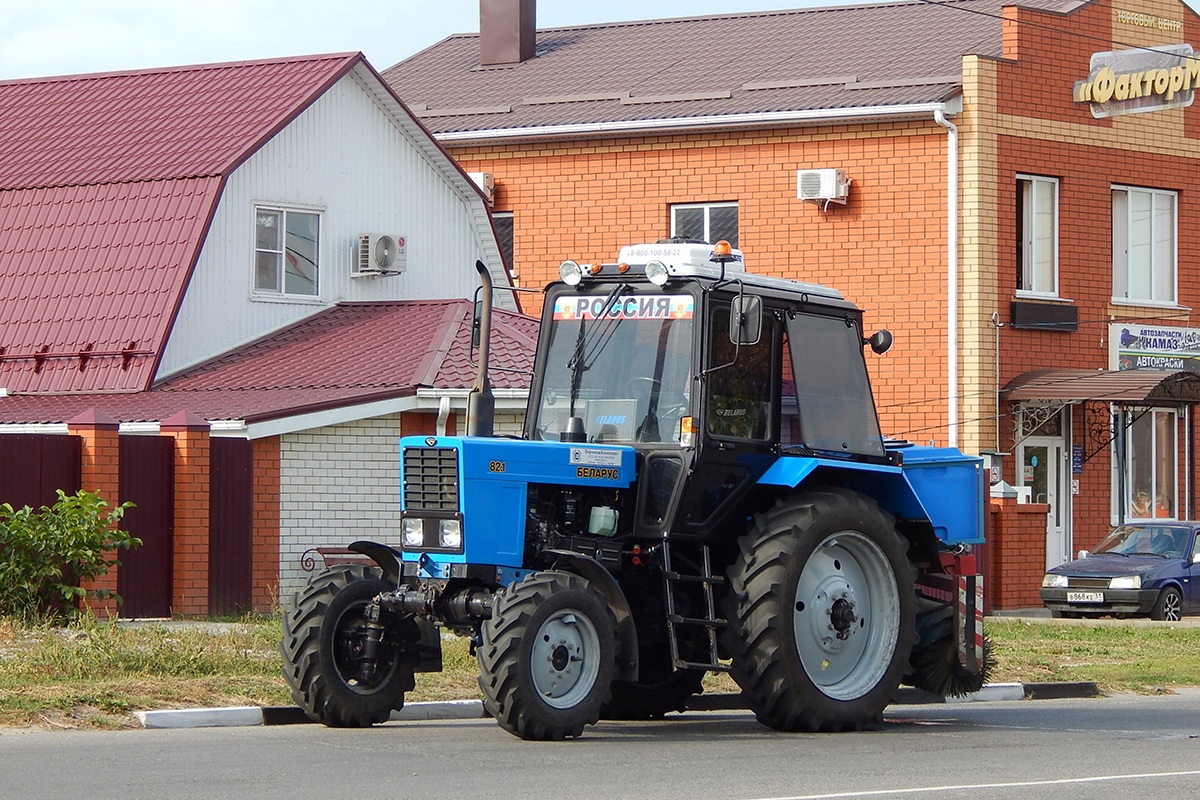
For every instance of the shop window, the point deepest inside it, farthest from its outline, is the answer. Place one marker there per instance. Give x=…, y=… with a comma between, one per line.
x=1153, y=447
x=286, y=251
x=503, y=220
x=1037, y=235
x=707, y=222
x=1144, y=236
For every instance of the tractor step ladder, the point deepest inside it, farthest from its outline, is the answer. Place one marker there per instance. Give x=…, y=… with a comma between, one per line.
x=697, y=574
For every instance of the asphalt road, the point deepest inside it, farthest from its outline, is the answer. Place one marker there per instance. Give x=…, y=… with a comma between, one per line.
x=1107, y=748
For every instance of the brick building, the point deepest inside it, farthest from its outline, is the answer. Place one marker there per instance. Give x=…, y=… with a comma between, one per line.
x=1007, y=187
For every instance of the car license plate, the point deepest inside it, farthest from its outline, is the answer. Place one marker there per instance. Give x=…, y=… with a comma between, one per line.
x=1085, y=597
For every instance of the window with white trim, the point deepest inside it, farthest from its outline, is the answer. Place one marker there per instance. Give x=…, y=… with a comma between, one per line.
x=1153, y=457
x=707, y=222
x=287, y=249
x=1037, y=235
x=1144, y=238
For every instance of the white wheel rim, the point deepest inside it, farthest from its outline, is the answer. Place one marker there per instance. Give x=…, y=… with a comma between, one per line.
x=565, y=659
x=846, y=615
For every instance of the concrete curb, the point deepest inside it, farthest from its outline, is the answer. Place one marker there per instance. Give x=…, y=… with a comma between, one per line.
x=242, y=716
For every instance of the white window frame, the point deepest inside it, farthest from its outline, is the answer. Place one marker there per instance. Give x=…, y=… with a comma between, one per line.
x=1038, y=270
x=707, y=208
x=1153, y=489
x=1158, y=243
x=281, y=292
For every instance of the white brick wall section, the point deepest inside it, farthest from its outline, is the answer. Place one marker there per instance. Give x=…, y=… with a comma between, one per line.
x=341, y=483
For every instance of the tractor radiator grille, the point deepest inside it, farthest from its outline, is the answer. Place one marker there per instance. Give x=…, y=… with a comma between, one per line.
x=430, y=479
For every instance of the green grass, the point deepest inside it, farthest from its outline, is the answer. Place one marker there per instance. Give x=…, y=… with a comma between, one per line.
x=95, y=674
x=1116, y=657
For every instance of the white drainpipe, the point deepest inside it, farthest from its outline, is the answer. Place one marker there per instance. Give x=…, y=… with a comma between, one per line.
x=443, y=416
x=951, y=276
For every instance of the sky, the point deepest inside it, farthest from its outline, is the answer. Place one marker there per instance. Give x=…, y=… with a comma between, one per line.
x=63, y=37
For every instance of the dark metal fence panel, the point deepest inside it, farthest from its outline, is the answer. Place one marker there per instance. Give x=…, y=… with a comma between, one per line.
x=147, y=479
x=230, y=526
x=32, y=466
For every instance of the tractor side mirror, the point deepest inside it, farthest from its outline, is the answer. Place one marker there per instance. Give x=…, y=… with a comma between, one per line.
x=745, y=319
x=880, y=341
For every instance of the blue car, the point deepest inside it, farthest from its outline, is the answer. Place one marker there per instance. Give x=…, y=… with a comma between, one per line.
x=1140, y=569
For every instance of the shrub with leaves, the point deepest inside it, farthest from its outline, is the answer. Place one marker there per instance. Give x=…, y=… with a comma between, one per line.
x=48, y=556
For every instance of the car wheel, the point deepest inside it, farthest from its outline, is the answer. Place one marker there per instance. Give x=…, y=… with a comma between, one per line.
x=1169, y=606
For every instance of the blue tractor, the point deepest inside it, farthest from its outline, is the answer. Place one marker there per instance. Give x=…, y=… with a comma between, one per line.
x=701, y=485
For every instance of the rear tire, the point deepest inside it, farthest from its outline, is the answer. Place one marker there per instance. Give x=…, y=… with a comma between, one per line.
x=548, y=656
x=322, y=647
x=1169, y=606
x=821, y=610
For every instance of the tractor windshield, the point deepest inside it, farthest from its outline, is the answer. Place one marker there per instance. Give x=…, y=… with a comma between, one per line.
x=619, y=359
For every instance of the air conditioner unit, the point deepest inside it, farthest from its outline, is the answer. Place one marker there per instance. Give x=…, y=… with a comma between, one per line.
x=822, y=185
x=486, y=183
x=380, y=254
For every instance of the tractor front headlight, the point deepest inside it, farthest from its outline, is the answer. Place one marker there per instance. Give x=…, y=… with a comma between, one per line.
x=570, y=273
x=414, y=532
x=450, y=534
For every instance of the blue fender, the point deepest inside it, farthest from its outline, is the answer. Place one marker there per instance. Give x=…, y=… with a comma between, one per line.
x=940, y=485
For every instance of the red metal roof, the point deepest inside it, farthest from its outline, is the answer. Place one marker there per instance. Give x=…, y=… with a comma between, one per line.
x=89, y=278
x=107, y=186
x=346, y=355
x=147, y=125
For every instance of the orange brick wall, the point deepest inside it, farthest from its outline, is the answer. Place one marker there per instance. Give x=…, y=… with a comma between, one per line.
x=100, y=455
x=885, y=250
x=1016, y=554
x=189, y=596
x=264, y=569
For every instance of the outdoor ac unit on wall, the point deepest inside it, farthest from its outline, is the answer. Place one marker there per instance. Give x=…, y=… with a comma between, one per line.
x=487, y=184
x=380, y=254
x=822, y=185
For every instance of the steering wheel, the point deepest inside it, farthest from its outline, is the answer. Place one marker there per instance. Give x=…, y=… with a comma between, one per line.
x=641, y=387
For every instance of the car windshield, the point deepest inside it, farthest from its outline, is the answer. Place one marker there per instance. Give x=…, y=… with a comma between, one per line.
x=618, y=359
x=1168, y=541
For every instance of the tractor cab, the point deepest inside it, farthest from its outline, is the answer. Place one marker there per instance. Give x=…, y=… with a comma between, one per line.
x=678, y=352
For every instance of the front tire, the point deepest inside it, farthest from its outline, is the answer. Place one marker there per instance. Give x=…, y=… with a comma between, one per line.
x=548, y=656
x=821, y=613
x=1169, y=606
x=322, y=647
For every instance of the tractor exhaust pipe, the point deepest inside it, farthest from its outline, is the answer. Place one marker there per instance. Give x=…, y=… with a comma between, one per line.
x=481, y=403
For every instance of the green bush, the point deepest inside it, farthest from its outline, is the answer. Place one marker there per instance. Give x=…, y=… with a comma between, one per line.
x=47, y=555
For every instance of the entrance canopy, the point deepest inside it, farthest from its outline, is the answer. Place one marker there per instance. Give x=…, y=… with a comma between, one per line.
x=1130, y=386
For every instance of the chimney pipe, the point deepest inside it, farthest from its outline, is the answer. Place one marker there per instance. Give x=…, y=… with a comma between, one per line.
x=507, y=31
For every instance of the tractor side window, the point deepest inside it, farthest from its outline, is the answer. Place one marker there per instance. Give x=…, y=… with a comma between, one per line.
x=833, y=392
x=739, y=396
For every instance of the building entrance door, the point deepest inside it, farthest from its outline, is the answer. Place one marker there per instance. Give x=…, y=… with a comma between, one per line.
x=1044, y=471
